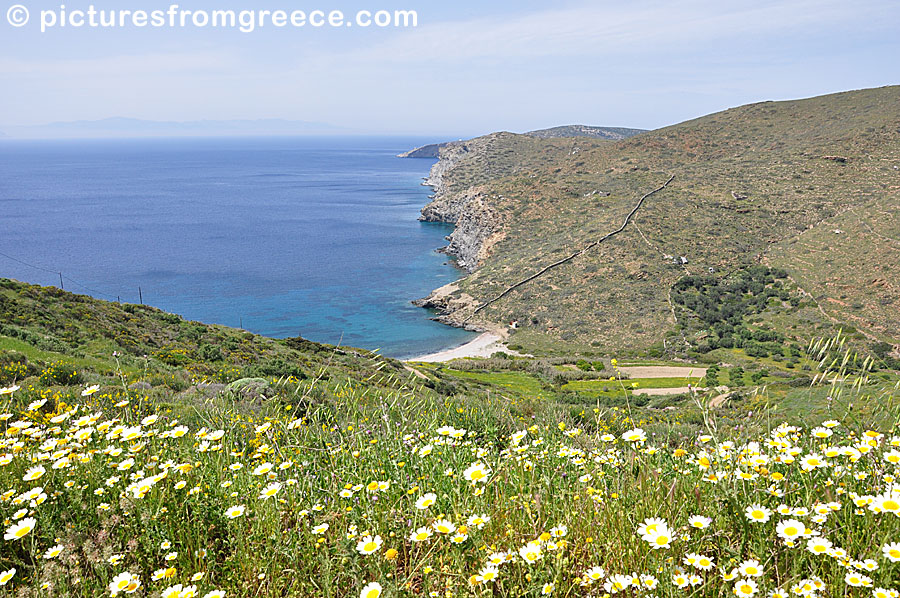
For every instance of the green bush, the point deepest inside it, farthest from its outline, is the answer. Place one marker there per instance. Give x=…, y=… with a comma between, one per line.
x=60, y=374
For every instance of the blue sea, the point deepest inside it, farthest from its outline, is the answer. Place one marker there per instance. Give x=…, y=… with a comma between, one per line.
x=315, y=237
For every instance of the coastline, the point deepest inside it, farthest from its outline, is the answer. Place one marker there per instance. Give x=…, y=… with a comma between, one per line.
x=473, y=224
x=483, y=345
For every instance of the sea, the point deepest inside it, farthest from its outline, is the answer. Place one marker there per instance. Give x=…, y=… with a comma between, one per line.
x=316, y=237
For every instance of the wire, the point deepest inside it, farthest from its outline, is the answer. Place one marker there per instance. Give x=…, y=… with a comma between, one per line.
x=62, y=277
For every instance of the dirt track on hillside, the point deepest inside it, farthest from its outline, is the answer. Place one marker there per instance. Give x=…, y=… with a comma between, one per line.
x=662, y=371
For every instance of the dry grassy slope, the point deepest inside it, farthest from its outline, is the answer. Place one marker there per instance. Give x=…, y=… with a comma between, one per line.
x=499, y=155
x=752, y=184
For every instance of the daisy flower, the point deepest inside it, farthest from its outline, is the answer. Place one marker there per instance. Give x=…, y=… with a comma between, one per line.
x=5, y=576
x=758, y=514
x=235, y=511
x=699, y=521
x=426, y=500
x=371, y=590
x=368, y=544
x=21, y=529
x=891, y=551
x=443, y=526
x=477, y=472
x=745, y=587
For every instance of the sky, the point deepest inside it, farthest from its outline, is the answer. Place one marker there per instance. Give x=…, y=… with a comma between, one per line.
x=467, y=68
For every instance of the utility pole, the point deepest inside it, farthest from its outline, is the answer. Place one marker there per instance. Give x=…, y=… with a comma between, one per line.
x=141, y=295
x=61, y=282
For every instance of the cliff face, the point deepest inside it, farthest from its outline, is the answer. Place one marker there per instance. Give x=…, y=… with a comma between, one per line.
x=478, y=224
x=449, y=155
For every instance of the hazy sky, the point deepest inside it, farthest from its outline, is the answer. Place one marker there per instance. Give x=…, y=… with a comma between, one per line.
x=468, y=68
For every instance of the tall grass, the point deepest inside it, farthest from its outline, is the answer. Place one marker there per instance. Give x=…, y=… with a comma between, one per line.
x=322, y=494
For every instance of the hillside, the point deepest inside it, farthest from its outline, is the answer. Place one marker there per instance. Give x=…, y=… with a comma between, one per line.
x=614, y=133
x=433, y=150
x=136, y=458
x=808, y=187
x=142, y=454
x=42, y=326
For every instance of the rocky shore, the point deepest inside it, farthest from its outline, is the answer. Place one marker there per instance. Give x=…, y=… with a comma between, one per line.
x=477, y=223
x=477, y=227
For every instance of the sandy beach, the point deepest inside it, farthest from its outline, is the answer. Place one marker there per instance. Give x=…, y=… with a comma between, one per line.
x=484, y=345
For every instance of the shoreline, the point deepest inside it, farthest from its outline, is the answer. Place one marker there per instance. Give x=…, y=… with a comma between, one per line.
x=483, y=345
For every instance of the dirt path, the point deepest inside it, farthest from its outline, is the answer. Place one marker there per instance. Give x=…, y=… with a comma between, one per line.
x=415, y=372
x=663, y=371
x=657, y=392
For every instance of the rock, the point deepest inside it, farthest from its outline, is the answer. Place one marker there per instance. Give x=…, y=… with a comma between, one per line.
x=478, y=224
x=140, y=386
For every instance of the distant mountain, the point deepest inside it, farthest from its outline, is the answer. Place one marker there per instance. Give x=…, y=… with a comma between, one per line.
x=135, y=127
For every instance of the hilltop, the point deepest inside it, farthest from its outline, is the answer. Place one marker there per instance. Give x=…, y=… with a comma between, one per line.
x=614, y=133
x=808, y=189
x=433, y=150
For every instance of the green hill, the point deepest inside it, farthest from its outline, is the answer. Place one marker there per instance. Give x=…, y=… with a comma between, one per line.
x=809, y=188
x=144, y=455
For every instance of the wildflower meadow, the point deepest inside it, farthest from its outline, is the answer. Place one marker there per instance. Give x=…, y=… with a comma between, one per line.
x=105, y=492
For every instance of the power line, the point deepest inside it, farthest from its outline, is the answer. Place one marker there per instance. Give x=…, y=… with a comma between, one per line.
x=61, y=276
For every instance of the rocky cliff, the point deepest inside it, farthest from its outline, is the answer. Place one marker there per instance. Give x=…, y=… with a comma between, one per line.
x=463, y=167
x=431, y=150
x=477, y=222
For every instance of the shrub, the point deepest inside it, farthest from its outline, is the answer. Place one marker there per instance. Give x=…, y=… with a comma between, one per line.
x=60, y=374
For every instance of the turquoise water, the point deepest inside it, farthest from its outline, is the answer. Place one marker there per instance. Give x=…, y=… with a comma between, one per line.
x=285, y=237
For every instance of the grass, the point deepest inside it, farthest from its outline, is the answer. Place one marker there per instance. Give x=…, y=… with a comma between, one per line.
x=523, y=384
x=8, y=344
x=183, y=473
x=293, y=498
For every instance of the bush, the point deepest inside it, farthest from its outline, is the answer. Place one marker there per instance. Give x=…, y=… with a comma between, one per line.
x=60, y=374
x=210, y=353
